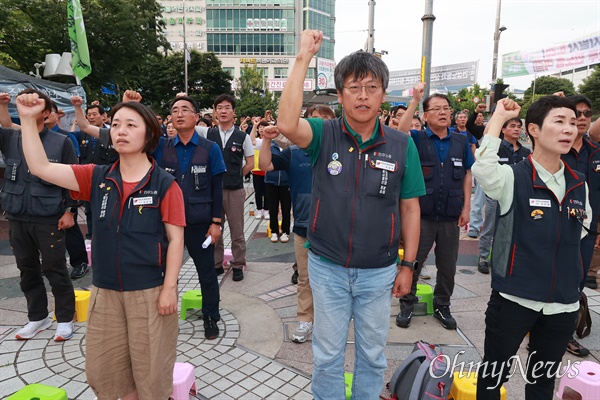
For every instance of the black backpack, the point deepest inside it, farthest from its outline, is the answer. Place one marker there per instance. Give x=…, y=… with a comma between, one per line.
x=424, y=375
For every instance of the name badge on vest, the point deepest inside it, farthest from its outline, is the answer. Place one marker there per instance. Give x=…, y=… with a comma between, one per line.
x=503, y=159
x=142, y=201
x=198, y=169
x=388, y=166
x=596, y=166
x=457, y=163
x=540, y=203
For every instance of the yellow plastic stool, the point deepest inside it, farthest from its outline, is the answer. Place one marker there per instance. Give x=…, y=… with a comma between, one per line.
x=269, y=229
x=348, y=381
x=191, y=299
x=425, y=295
x=39, y=392
x=465, y=388
x=82, y=304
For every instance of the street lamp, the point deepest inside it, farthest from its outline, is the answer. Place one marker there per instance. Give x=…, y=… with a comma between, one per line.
x=499, y=29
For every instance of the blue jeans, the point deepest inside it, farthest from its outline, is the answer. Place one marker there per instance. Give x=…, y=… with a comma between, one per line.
x=476, y=217
x=339, y=294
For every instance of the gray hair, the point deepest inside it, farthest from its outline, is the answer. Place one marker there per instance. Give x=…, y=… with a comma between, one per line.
x=358, y=65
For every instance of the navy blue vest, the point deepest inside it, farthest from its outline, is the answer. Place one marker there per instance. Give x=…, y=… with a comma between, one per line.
x=195, y=182
x=354, y=216
x=507, y=154
x=130, y=246
x=443, y=180
x=535, y=254
x=590, y=168
x=233, y=155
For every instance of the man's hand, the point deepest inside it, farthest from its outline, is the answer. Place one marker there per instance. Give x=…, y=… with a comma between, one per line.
x=66, y=221
x=214, y=231
x=181, y=94
x=244, y=125
x=60, y=113
x=167, y=301
x=507, y=109
x=480, y=108
x=131, y=95
x=395, y=123
x=418, y=91
x=77, y=101
x=95, y=103
x=464, y=218
x=403, y=282
x=270, y=132
x=4, y=98
x=30, y=105
x=310, y=42
x=559, y=94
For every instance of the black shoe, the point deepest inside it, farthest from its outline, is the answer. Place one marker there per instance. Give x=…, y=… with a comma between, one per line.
x=79, y=271
x=483, y=267
x=211, y=330
x=219, y=271
x=577, y=349
x=295, y=278
x=238, y=274
x=590, y=282
x=442, y=314
x=403, y=319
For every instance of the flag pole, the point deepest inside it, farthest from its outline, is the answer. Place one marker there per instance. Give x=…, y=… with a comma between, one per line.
x=185, y=54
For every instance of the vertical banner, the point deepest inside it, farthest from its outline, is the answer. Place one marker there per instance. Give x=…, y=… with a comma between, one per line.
x=79, y=47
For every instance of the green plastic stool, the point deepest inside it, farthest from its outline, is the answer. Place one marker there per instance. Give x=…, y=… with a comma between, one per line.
x=348, y=380
x=425, y=295
x=191, y=299
x=36, y=391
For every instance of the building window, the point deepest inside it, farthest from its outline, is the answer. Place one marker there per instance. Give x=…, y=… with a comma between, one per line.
x=280, y=73
x=231, y=70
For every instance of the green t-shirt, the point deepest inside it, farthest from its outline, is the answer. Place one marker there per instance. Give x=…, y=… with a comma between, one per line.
x=413, y=184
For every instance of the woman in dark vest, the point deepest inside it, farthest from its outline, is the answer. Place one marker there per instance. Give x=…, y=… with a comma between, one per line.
x=138, y=215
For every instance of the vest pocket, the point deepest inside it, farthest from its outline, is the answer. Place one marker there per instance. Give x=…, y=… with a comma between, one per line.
x=46, y=200
x=427, y=169
x=12, y=165
x=12, y=198
x=144, y=219
x=427, y=202
x=455, y=203
x=458, y=173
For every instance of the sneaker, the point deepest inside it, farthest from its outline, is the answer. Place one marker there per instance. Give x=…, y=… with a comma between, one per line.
x=590, y=282
x=473, y=234
x=274, y=238
x=295, y=278
x=403, y=319
x=64, y=331
x=424, y=274
x=238, y=274
x=258, y=214
x=219, y=271
x=32, y=328
x=79, y=271
x=266, y=215
x=483, y=267
x=577, y=349
x=211, y=330
x=442, y=314
x=284, y=238
x=303, y=329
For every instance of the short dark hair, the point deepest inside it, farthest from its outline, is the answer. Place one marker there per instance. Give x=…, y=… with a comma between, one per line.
x=101, y=109
x=153, y=130
x=538, y=110
x=360, y=64
x=224, y=97
x=515, y=119
x=189, y=99
x=429, y=98
x=579, y=98
x=323, y=110
x=43, y=96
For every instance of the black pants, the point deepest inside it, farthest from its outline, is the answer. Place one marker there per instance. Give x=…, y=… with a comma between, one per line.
x=279, y=195
x=29, y=240
x=88, y=218
x=75, y=245
x=260, y=196
x=506, y=324
x=204, y=260
x=445, y=235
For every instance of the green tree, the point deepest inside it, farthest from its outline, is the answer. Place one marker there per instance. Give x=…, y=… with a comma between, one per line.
x=120, y=34
x=163, y=77
x=591, y=89
x=465, y=98
x=547, y=85
x=253, y=96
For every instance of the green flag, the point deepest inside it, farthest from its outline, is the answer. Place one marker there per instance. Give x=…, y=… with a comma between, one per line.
x=79, y=47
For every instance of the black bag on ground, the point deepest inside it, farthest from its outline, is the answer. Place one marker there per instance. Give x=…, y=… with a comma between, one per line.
x=423, y=375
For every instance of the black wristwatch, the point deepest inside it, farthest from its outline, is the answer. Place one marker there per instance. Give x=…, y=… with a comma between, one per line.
x=414, y=265
x=72, y=210
x=216, y=223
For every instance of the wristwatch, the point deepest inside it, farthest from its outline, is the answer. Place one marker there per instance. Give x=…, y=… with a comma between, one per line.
x=414, y=265
x=72, y=210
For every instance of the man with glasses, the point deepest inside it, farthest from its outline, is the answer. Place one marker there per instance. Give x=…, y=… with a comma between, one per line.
x=366, y=183
x=446, y=160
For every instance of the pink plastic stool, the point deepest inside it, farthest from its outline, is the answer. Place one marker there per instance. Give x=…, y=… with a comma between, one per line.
x=227, y=256
x=184, y=381
x=584, y=379
x=88, y=249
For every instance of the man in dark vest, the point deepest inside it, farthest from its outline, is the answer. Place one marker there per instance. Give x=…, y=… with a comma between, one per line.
x=37, y=215
x=198, y=167
x=446, y=160
x=237, y=148
x=366, y=183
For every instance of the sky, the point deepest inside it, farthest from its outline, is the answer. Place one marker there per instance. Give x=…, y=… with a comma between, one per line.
x=463, y=30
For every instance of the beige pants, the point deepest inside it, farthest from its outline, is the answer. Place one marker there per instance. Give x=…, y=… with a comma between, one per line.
x=305, y=311
x=129, y=346
x=233, y=213
x=595, y=264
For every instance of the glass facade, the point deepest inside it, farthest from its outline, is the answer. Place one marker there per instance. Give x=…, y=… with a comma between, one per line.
x=250, y=3
x=251, y=43
x=320, y=15
x=280, y=73
x=249, y=19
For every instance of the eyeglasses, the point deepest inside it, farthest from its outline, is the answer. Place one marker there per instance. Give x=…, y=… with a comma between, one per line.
x=226, y=108
x=355, y=89
x=438, y=110
x=586, y=113
x=183, y=111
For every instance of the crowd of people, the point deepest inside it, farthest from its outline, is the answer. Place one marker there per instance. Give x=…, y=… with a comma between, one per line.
x=359, y=187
